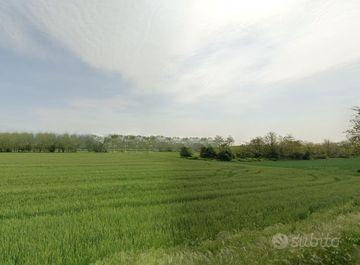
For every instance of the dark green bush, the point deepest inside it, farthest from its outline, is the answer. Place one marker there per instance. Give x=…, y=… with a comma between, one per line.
x=225, y=154
x=297, y=156
x=344, y=156
x=185, y=151
x=273, y=156
x=207, y=152
x=307, y=156
x=320, y=156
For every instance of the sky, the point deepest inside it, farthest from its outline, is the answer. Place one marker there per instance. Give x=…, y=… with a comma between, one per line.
x=180, y=67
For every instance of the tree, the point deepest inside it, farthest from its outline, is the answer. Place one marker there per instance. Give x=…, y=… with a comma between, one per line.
x=185, y=151
x=229, y=140
x=307, y=155
x=225, y=153
x=244, y=151
x=98, y=144
x=257, y=147
x=354, y=131
x=289, y=148
x=218, y=141
x=272, y=146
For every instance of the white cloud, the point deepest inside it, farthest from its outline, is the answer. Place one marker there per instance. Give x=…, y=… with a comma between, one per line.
x=320, y=36
x=191, y=48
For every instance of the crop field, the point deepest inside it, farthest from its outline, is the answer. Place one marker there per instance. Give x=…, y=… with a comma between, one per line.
x=156, y=208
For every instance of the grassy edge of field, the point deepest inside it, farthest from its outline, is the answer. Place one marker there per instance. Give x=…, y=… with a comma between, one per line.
x=255, y=246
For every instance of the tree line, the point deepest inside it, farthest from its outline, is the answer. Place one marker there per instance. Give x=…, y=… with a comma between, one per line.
x=50, y=142
x=275, y=147
x=47, y=142
x=270, y=146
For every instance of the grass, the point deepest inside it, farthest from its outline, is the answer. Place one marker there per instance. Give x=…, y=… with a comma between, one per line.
x=110, y=208
x=255, y=246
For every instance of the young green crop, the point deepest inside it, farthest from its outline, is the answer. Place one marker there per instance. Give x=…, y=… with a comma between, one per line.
x=83, y=207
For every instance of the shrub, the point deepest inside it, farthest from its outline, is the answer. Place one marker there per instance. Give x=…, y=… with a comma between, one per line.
x=320, y=156
x=307, y=156
x=207, y=152
x=273, y=155
x=185, y=151
x=225, y=154
x=344, y=156
x=244, y=152
x=297, y=156
x=52, y=148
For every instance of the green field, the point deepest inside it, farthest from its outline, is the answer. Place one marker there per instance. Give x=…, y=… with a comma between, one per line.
x=156, y=208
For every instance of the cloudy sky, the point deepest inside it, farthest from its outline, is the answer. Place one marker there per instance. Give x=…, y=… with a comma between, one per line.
x=180, y=67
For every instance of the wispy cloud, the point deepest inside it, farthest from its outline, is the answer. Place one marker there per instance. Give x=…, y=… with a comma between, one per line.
x=183, y=53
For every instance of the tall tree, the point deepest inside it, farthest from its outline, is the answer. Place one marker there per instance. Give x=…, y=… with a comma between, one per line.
x=354, y=131
x=230, y=140
x=219, y=140
x=271, y=145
